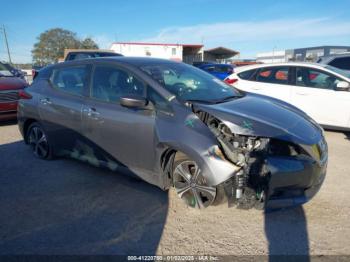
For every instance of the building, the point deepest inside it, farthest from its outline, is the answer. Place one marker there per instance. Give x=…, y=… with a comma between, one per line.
x=313, y=53
x=187, y=53
x=271, y=57
x=310, y=54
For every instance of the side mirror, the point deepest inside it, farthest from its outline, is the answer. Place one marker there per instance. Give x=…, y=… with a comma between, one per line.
x=133, y=101
x=342, y=86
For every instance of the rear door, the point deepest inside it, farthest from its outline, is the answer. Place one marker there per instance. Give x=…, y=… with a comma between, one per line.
x=270, y=81
x=127, y=134
x=60, y=105
x=314, y=93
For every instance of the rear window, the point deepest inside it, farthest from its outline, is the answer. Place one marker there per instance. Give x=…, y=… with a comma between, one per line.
x=4, y=71
x=247, y=75
x=341, y=62
x=224, y=69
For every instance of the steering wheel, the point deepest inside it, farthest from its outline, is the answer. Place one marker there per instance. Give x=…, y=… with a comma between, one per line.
x=180, y=88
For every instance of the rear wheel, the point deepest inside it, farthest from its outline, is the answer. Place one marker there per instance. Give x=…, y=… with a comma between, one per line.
x=38, y=141
x=190, y=185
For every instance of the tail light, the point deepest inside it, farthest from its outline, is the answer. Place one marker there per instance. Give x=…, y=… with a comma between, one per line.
x=230, y=81
x=24, y=95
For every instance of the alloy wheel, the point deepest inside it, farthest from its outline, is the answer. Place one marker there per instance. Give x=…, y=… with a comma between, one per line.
x=38, y=141
x=191, y=186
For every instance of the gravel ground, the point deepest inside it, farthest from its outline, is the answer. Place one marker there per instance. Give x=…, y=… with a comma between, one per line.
x=67, y=207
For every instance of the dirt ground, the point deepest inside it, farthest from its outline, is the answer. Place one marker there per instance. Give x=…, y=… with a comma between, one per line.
x=67, y=207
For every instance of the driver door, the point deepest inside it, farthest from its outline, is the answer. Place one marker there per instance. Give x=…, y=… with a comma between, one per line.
x=127, y=134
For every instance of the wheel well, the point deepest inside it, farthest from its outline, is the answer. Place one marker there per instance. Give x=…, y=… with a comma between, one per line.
x=26, y=125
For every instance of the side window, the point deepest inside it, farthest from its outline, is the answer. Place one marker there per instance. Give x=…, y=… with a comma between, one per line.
x=314, y=78
x=341, y=62
x=247, y=75
x=273, y=75
x=159, y=102
x=70, y=79
x=111, y=83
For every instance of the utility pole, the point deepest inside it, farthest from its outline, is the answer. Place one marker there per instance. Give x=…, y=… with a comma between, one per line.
x=6, y=43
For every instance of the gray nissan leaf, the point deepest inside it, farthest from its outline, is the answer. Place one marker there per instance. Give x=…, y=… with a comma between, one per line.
x=174, y=125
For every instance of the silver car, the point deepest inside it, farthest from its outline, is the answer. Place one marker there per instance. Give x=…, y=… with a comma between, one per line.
x=172, y=124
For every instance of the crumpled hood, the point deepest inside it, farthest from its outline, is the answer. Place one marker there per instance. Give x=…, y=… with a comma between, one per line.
x=12, y=83
x=261, y=116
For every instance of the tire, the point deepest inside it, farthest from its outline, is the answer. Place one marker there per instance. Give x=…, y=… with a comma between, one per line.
x=39, y=141
x=190, y=185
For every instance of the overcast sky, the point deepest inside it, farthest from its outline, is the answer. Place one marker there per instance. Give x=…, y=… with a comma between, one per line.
x=246, y=26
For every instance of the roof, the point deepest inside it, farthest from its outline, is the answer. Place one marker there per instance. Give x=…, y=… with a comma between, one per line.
x=222, y=51
x=159, y=44
x=134, y=61
x=243, y=68
x=67, y=51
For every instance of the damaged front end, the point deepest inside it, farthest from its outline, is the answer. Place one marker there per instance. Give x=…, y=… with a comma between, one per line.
x=269, y=172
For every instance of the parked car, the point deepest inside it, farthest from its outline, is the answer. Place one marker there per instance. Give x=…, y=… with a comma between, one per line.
x=200, y=63
x=10, y=90
x=175, y=125
x=83, y=54
x=320, y=90
x=341, y=61
x=16, y=72
x=220, y=71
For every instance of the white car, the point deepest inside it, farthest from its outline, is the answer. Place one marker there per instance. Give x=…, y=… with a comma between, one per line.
x=321, y=91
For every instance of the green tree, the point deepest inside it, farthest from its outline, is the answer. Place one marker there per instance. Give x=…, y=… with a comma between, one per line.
x=88, y=43
x=51, y=44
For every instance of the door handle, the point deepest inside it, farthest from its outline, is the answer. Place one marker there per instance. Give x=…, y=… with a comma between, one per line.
x=46, y=101
x=91, y=112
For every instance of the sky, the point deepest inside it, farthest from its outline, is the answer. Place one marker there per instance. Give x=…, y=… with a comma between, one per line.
x=249, y=26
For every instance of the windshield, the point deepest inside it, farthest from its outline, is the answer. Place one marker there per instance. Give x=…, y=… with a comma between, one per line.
x=188, y=83
x=4, y=71
x=338, y=71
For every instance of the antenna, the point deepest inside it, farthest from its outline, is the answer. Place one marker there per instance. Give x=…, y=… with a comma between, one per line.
x=6, y=43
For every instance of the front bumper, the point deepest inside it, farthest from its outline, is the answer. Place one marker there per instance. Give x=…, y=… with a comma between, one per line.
x=294, y=181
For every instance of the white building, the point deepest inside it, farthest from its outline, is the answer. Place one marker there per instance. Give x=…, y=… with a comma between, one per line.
x=176, y=52
x=271, y=57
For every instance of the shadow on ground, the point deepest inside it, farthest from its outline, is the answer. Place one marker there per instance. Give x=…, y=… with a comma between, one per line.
x=8, y=122
x=68, y=207
x=286, y=232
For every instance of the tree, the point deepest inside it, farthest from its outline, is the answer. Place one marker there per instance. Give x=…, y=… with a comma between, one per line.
x=88, y=43
x=51, y=44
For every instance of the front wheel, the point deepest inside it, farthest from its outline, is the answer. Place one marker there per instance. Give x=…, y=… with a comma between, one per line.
x=190, y=185
x=38, y=141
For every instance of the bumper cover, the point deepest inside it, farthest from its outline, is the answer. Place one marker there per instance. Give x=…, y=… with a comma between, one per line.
x=294, y=182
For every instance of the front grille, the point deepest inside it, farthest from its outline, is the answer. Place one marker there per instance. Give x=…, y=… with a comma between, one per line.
x=8, y=96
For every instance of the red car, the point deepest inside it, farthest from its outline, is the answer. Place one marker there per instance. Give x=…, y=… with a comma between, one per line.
x=10, y=87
